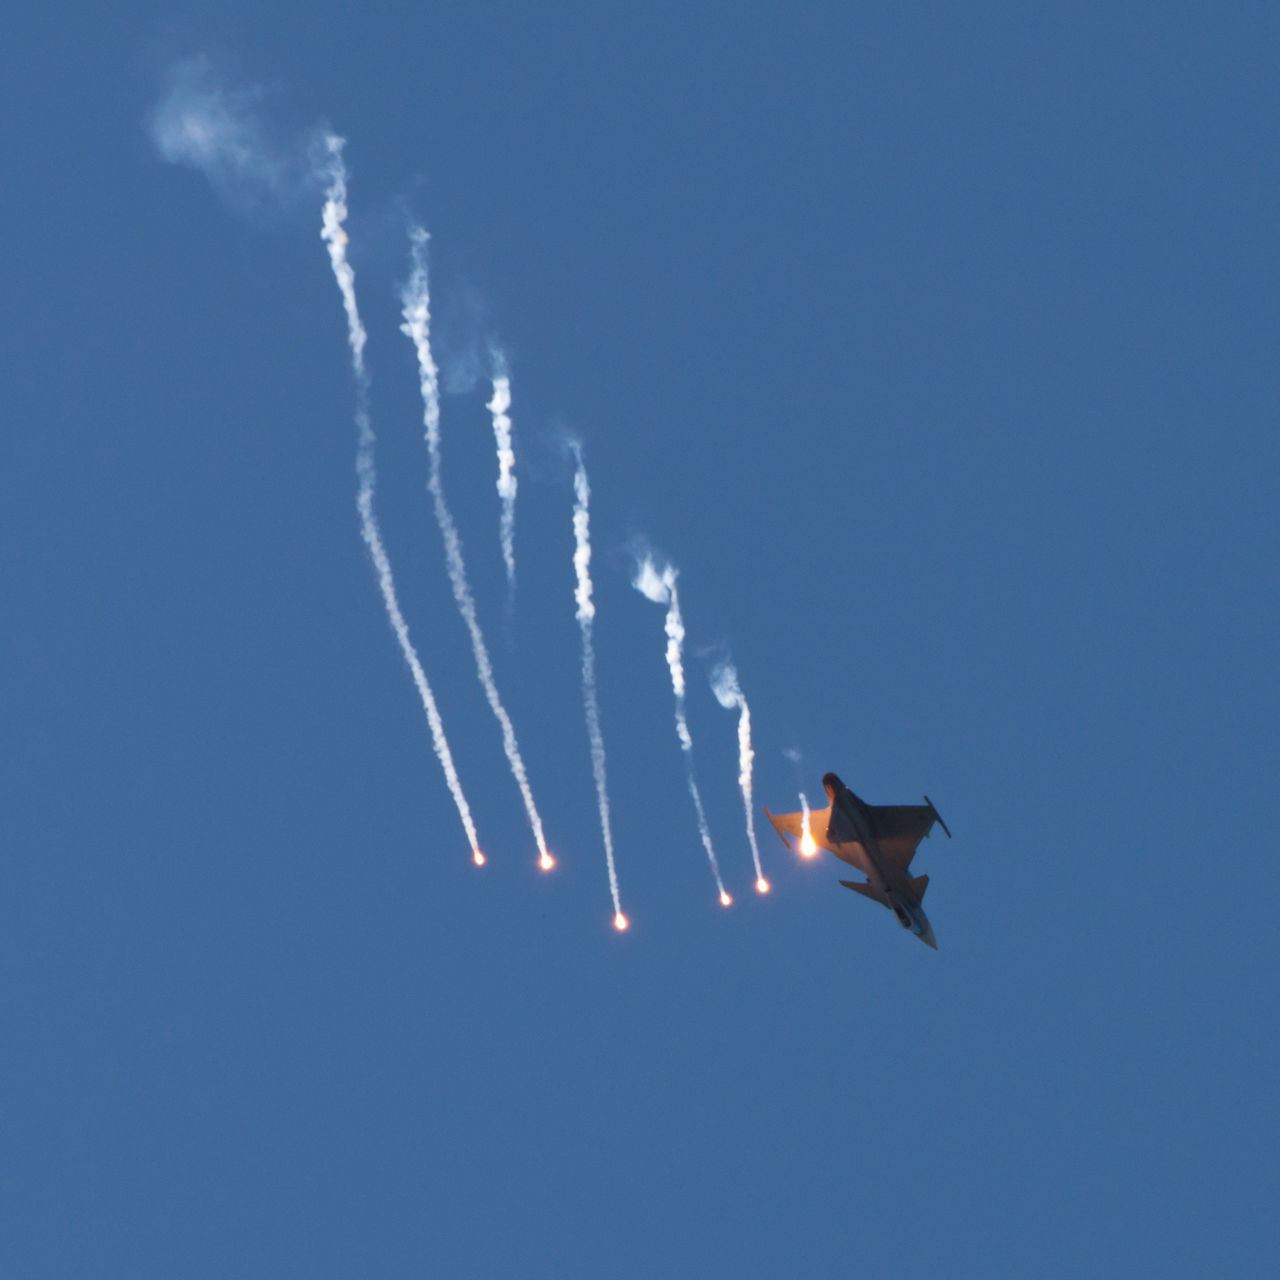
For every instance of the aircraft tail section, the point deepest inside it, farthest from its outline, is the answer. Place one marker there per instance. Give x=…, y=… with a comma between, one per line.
x=920, y=884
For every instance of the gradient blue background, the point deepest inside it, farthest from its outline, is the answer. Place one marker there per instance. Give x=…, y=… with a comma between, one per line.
x=937, y=347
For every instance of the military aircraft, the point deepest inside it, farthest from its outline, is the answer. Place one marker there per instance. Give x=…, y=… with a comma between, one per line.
x=877, y=839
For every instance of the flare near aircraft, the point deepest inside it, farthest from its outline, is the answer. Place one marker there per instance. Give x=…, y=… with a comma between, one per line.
x=877, y=839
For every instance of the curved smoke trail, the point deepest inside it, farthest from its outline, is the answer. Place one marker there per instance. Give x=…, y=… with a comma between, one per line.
x=417, y=326
x=586, y=612
x=335, y=236
x=724, y=684
x=498, y=407
x=661, y=589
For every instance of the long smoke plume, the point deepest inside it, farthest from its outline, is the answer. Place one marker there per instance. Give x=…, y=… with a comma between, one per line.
x=586, y=612
x=660, y=587
x=417, y=326
x=724, y=684
x=335, y=237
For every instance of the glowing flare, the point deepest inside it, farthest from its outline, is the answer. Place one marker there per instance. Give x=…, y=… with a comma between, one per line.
x=762, y=885
x=725, y=900
x=808, y=846
x=478, y=856
x=620, y=922
x=546, y=862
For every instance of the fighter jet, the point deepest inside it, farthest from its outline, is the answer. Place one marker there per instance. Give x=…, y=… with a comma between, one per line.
x=877, y=839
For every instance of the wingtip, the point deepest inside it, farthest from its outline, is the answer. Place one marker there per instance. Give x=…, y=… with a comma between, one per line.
x=773, y=823
x=938, y=817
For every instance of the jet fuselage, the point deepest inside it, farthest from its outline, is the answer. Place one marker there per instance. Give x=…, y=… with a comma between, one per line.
x=851, y=823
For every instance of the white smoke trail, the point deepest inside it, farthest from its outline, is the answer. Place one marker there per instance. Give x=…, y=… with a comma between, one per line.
x=724, y=683
x=808, y=846
x=498, y=406
x=335, y=236
x=417, y=326
x=586, y=612
x=660, y=587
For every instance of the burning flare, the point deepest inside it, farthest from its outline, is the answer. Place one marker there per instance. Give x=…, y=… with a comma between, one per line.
x=808, y=845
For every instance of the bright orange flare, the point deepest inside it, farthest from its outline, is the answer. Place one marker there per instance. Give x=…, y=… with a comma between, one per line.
x=546, y=862
x=762, y=885
x=478, y=856
x=620, y=922
x=724, y=898
x=808, y=845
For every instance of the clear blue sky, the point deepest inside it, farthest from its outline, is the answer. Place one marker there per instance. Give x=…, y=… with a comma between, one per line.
x=936, y=346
